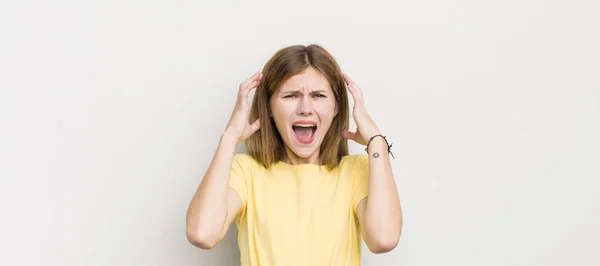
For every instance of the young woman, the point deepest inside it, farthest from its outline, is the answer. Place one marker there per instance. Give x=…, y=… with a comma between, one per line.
x=297, y=197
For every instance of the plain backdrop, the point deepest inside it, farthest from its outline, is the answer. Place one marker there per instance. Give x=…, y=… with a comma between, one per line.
x=110, y=112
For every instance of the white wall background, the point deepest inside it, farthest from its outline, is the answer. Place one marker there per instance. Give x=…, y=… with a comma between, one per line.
x=110, y=112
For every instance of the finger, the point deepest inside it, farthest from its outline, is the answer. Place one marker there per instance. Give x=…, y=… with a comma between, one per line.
x=348, y=79
x=349, y=86
x=353, y=88
x=253, y=85
x=254, y=127
x=250, y=79
x=243, y=94
x=351, y=82
x=249, y=83
x=349, y=135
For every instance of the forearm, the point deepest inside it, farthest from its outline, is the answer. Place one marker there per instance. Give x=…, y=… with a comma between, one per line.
x=383, y=214
x=208, y=209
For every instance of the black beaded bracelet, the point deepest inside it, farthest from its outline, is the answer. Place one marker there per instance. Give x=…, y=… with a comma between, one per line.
x=389, y=146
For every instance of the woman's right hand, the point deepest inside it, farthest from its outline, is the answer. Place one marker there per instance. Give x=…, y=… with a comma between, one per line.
x=239, y=127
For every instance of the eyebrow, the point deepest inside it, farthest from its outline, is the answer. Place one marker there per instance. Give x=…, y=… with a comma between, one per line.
x=298, y=91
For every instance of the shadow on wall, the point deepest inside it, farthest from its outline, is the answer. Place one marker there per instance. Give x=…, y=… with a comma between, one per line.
x=225, y=253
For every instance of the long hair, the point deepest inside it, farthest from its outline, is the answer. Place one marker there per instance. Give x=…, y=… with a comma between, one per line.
x=266, y=145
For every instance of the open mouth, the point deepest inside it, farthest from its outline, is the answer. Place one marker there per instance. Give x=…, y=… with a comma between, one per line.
x=305, y=132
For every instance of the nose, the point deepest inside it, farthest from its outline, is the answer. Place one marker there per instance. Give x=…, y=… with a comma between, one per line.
x=305, y=106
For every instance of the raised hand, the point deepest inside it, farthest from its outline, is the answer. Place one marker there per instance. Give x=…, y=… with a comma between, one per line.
x=238, y=126
x=366, y=127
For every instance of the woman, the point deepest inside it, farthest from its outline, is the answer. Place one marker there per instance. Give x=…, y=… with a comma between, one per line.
x=297, y=197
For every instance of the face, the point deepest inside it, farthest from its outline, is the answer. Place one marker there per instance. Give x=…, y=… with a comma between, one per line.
x=303, y=109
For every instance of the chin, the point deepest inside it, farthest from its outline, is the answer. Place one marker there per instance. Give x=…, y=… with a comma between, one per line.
x=304, y=138
x=303, y=152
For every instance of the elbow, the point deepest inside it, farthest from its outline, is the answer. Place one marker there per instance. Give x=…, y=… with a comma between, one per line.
x=384, y=244
x=200, y=238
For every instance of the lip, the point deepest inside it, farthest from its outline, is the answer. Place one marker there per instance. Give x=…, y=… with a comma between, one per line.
x=307, y=122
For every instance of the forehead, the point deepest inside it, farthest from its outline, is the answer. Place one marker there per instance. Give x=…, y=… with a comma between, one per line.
x=310, y=79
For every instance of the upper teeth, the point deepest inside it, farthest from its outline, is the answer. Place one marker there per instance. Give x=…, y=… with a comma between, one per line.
x=304, y=125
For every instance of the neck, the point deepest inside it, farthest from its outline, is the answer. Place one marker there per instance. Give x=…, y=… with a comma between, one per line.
x=292, y=158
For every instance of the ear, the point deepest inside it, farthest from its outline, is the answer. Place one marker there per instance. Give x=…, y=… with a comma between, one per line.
x=335, y=112
x=269, y=109
x=336, y=107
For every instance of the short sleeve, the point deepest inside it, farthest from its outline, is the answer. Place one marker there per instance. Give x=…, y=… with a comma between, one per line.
x=237, y=177
x=360, y=178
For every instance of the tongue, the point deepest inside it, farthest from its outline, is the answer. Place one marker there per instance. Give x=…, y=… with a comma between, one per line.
x=303, y=133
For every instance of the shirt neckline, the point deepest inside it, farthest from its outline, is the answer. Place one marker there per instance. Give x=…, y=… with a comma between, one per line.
x=302, y=165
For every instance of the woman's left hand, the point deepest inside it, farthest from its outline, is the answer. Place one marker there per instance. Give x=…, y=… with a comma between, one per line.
x=366, y=127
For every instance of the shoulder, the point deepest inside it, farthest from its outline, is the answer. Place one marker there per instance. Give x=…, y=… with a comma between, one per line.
x=356, y=170
x=355, y=158
x=354, y=162
x=245, y=161
x=242, y=157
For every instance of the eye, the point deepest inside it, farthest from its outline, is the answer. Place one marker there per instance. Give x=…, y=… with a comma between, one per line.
x=321, y=95
x=290, y=96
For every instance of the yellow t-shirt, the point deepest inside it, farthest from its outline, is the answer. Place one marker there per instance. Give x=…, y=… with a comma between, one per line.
x=299, y=214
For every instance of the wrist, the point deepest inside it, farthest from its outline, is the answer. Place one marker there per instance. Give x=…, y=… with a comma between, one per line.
x=228, y=138
x=373, y=132
x=379, y=142
x=376, y=144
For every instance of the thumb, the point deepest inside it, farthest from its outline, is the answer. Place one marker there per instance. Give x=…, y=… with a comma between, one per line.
x=255, y=126
x=349, y=135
